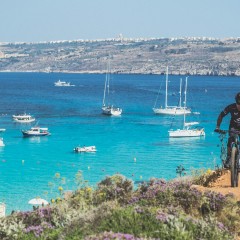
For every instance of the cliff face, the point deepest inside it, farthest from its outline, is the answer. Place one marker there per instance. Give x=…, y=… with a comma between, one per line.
x=193, y=56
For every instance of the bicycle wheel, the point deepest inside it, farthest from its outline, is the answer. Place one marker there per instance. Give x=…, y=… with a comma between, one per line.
x=234, y=169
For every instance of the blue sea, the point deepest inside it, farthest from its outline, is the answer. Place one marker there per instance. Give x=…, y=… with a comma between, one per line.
x=135, y=144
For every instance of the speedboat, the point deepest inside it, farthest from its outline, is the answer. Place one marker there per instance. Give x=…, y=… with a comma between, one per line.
x=2, y=129
x=85, y=149
x=1, y=142
x=23, y=118
x=60, y=83
x=35, y=131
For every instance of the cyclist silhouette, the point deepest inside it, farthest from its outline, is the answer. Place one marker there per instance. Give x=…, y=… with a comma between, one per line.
x=234, y=110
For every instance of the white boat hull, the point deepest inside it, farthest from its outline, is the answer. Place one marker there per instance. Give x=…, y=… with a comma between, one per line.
x=186, y=133
x=24, y=118
x=63, y=84
x=35, y=131
x=85, y=149
x=172, y=111
x=112, y=111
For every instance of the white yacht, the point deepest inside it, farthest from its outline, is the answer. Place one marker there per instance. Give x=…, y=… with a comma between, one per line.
x=23, y=118
x=60, y=83
x=85, y=149
x=109, y=109
x=172, y=110
x=187, y=130
x=35, y=131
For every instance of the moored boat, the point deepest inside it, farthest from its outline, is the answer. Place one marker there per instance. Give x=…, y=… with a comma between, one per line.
x=171, y=110
x=195, y=132
x=187, y=131
x=35, y=131
x=85, y=149
x=107, y=108
x=60, y=83
x=23, y=118
x=110, y=110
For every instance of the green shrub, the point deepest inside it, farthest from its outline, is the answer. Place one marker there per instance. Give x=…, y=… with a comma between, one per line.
x=116, y=187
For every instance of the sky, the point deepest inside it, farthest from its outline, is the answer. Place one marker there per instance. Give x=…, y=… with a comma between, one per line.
x=52, y=20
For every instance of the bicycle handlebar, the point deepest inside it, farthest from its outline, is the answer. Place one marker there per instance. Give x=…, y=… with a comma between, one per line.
x=221, y=131
x=226, y=131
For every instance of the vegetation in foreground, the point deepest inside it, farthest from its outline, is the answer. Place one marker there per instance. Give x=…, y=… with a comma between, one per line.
x=115, y=210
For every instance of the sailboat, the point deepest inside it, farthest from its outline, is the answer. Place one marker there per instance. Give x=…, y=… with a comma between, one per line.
x=172, y=110
x=108, y=109
x=187, y=131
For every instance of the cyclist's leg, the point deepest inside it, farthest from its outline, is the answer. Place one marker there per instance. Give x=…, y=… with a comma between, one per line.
x=229, y=149
x=233, y=167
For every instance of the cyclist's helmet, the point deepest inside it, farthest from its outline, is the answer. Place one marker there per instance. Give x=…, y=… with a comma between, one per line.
x=237, y=98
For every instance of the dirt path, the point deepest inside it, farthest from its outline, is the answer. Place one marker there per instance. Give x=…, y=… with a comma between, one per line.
x=223, y=185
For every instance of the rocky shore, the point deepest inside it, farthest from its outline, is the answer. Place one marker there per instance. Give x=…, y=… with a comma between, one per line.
x=192, y=56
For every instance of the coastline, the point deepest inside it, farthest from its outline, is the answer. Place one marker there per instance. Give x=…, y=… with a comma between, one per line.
x=125, y=73
x=184, y=56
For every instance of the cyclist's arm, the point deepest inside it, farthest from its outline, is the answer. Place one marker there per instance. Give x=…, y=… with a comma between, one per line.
x=221, y=116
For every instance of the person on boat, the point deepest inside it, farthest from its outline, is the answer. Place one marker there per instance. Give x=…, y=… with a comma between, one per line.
x=234, y=125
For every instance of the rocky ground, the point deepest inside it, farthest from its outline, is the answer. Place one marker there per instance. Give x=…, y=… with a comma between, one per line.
x=222, y=185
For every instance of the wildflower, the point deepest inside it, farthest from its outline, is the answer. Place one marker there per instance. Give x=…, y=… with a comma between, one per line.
x=138, y=209
x=221, y=226
x=37, y=230
x=162, y=217
x=209, y=171
x=58, y=199
x=89, y=189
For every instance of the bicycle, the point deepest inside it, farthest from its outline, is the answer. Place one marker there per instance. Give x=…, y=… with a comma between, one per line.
x=235, y=154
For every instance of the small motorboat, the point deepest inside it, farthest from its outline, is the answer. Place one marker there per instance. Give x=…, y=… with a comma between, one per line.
x=85, y=149
x=60, y=83
x=23, y=118
x=35, y=131
x=2, y=129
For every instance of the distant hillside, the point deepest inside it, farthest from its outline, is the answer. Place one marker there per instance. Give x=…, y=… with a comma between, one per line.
x=193, y=56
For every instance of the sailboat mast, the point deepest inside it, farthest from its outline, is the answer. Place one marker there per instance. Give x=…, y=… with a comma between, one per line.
x=105, y=86
x=166, y=98
x=108, y=76
x=185, y=102
x=180, y=94
x=104, y=93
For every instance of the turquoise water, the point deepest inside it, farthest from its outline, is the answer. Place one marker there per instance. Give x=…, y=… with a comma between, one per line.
x=135, y=144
